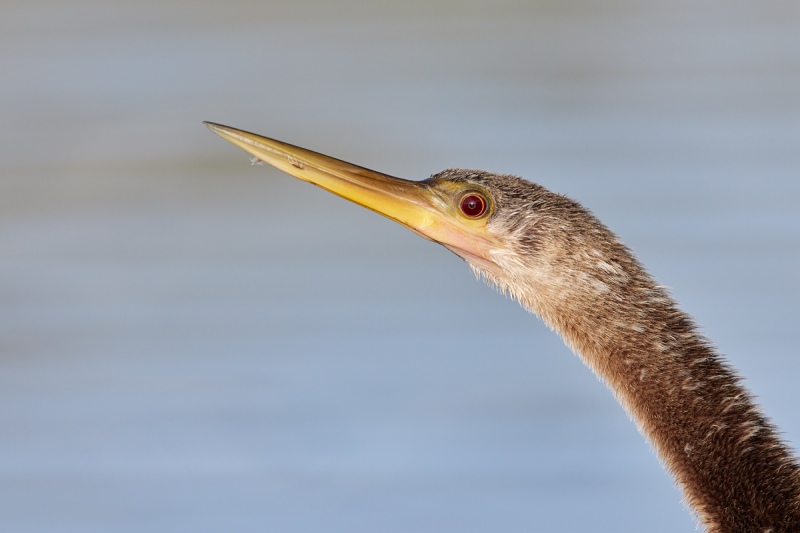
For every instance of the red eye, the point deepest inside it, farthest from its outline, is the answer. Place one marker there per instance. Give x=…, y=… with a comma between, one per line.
x=473, y=205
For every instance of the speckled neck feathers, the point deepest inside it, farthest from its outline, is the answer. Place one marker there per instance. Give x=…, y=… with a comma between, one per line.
x=564, y=265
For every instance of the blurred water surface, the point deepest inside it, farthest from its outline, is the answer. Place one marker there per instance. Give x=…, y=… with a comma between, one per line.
x=189, y=343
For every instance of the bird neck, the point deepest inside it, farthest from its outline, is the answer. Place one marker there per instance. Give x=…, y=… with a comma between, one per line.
x=735, y=472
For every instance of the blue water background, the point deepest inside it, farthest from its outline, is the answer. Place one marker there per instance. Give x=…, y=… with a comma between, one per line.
x=191, y=343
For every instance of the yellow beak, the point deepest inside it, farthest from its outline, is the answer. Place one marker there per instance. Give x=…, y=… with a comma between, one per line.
x=415, y=204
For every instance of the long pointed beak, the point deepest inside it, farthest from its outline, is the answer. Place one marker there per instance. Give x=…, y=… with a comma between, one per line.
x=404, y=201
x=411, y=203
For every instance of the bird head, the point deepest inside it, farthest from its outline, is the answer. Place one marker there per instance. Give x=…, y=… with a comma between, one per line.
x=517, y=235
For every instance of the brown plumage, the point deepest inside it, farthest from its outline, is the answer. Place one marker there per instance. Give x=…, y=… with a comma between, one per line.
x=565, y=266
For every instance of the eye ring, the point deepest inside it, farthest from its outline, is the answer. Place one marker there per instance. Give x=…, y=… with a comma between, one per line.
x=473, y=205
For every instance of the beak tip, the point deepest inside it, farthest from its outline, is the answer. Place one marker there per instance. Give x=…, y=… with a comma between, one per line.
x=223, y=131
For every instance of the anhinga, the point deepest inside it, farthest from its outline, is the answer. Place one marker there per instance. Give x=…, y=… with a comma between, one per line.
x=564, y=265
